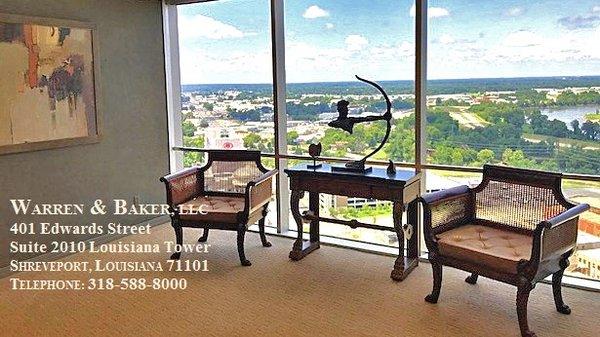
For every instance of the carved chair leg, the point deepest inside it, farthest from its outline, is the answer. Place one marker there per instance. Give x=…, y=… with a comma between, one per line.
x=556, y=289
x=522, y=299
x=241, y=233
x=204, y=236
x=437, y=282
x=472, y=279
x=263, y=237
x=178, y=239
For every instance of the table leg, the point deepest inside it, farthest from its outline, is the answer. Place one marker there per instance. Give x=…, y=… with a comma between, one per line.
x=413, y=241
x=403, y=264
x=313, y=202
x=301, y=248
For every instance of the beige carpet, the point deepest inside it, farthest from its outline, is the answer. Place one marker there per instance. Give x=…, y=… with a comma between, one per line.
x=332, y=292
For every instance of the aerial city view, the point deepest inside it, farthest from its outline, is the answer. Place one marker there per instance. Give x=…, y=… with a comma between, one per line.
x=529, y=98
x=545, y=123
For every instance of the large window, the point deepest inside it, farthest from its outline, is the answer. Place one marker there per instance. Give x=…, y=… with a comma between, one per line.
x=509, y=82
x=226, y=79
x=519, y=92
x=226, y=76
x=328, y=42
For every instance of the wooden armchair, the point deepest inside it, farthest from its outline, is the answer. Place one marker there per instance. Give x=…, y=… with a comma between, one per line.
x=515, y=227
x=231, y=192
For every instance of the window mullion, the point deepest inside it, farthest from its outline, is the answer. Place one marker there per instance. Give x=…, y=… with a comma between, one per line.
x=280, y=116
x=173, y=85
x=421, y=96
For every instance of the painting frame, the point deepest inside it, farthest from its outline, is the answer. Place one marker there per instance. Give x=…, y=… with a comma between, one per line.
x=63, y=142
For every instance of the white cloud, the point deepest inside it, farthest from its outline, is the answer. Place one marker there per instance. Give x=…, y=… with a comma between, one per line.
x=314, y=12
x=432, y=12
x=580, y=22
x=596, y=9
x=356, y=42
x=516, y=54
x=438, y=12
x=557, y=50
x=200, y=65
x=329, y=25
x=515, y=11
x=406, y=49
x=447, y=39
x=391, y=55
x=522, y=38
x=200, y=26
x=308, y=62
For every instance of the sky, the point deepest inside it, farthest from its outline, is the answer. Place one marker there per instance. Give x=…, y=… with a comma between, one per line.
x=229, y=41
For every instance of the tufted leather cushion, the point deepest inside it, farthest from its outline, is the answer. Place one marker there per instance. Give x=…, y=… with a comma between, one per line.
x=218, y=209
x=491, y=247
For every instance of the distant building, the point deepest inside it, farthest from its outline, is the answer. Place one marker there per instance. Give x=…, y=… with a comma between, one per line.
x=337, y=201
x=222, y=138
x=587, y=263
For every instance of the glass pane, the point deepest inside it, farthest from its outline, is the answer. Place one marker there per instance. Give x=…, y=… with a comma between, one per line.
x=585, y=262
x=328, y=42
x=194, y=158
x=440, y=180
x=521, y=91
x=226, y=76
x=271, y=220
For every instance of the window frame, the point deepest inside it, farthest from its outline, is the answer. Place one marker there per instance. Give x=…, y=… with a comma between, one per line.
x=281, y=155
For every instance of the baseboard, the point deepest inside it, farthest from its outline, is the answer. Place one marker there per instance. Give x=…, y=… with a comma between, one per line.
x=5, y=271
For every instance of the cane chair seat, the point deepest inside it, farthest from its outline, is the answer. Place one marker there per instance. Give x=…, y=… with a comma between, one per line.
x=212, y=209
x=486, y=246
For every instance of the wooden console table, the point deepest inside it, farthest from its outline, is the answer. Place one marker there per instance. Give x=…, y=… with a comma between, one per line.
x=402, y=188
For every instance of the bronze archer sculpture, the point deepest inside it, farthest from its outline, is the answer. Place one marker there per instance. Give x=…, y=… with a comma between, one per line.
x=347, y=124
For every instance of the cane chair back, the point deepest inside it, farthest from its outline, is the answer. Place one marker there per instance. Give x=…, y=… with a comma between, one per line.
x=230, y=171
x=518, y=198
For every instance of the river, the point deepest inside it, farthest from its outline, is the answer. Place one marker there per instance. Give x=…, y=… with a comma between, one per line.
x=569, y=113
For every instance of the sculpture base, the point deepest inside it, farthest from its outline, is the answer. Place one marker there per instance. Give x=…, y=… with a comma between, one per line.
x=352, y=167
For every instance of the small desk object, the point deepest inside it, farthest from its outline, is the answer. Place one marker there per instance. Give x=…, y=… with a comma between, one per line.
x=402, y=188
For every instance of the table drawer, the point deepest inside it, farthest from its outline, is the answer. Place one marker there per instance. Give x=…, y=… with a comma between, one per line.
x=348, y=188
x=391, y=193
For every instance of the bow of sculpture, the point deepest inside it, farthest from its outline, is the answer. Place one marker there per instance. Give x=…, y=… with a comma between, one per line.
x=347, y=124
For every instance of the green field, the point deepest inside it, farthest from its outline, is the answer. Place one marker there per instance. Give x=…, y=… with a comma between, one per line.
x=563, y=141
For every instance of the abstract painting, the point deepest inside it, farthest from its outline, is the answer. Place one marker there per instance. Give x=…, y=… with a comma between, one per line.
x=47, y=84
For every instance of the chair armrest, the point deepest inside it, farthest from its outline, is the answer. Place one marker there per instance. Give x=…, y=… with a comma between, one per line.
x=179, y=175
x=447, y=194
x=558, y=235
x=182, y=186
x=259, y=191
x=263, y=177
x=444, y=210
x=564, y=216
